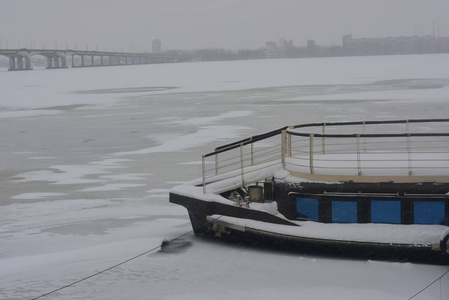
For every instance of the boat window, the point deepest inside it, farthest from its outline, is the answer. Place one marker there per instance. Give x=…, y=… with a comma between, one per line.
x=307, y=208
x=344, y=211
x=428, y=212
x=386, y=211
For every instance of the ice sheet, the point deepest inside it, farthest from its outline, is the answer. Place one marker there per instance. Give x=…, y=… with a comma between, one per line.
x=126, y=135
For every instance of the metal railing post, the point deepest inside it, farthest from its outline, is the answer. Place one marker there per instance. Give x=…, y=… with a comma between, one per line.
x=290, y=141
x=407, y=143
x=203, y=160
x=312, y=171
x=409, y=153
x=359, y=166
x=252, y=154
x=323, y=141
x=364, y=139
x=289, y=145
x=283, y=146
x=216, y=164
x=242, y=171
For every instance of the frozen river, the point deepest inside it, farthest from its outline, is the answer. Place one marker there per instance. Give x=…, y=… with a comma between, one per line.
x=88, y=156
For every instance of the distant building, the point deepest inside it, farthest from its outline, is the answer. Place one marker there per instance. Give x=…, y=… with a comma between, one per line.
x=311, y=43
x=157, y=46
x=286, y=45
x=270, y=48
x=395, y=45
x=311, y=49
x=347, y=39
x=359, y=47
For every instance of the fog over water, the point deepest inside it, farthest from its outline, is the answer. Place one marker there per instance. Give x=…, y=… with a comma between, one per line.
x=88, y=157
x=195, y=24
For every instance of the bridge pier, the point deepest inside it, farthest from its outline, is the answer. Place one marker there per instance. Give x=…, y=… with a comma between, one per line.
x=12, y=63
x=28, y=63
x=19, y=63
x=89, y=62
x=64, y=62
x=20, y=59
x=56, y=62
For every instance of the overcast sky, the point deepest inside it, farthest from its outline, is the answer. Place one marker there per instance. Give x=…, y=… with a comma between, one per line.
x=194, y=24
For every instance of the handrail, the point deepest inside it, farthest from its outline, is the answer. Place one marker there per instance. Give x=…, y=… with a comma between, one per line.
x=263, y=136
x=250, y=140
x=371, y=122
x=374, y=135
x=318, y=151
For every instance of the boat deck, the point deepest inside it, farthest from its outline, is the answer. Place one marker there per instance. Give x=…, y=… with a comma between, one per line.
x=381, y=185
x=401, y=151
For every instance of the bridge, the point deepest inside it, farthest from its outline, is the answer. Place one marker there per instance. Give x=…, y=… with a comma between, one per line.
x=20, y=59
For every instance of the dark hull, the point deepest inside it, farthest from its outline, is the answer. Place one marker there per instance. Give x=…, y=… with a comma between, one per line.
x=199, y=210
x=329, y=249
x=203, y=226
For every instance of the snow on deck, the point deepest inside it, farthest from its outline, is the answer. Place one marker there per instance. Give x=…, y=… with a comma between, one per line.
x=417, y=235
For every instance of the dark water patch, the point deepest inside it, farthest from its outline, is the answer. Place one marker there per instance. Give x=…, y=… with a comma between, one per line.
x=62, y=107
x=126, y=90
x=93, y=227
x=31, y=85
x=88, y=140
x=99, y=227
x=292, y=92
x=418, y=83
x=315, y=102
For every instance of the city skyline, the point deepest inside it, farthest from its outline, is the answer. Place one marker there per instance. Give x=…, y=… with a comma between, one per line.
x=198, y=24
x=25, y=59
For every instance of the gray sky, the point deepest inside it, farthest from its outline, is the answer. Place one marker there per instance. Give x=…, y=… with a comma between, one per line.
x=194, y=24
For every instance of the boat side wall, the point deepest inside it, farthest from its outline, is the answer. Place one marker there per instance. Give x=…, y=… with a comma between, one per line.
x=199, y=210
x=284, y=196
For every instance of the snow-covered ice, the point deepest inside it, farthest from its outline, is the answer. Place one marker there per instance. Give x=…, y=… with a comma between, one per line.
x=88, y=156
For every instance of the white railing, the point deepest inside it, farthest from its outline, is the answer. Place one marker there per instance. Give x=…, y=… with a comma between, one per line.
x=390, y=148
x=417, y=153
x=243, y=162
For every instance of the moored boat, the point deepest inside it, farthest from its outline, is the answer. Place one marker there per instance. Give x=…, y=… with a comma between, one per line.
x=375, y=188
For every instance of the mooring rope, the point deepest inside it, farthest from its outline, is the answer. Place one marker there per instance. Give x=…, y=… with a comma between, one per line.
x=174, y=239
x=427, y=286
x=112, y=267
x=116, y=265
